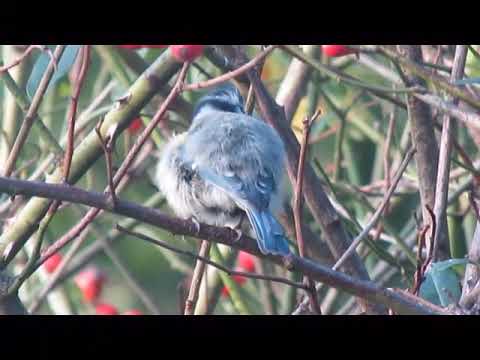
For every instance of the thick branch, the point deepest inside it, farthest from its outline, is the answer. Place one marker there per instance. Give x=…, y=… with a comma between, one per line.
x=361, y=288
x=423, y=138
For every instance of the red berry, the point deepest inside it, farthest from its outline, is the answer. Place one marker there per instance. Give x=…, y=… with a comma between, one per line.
x=337, y=50
x=52, y=262
x=184, y=53
x=240, y=280
x=106, y=309
x=135, y=126
x=134, y=47
x=133, y=312
x=90, y=282
x=246, y=261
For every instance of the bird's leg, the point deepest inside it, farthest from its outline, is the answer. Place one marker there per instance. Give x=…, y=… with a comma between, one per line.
x=195, y=222
x=237, y=228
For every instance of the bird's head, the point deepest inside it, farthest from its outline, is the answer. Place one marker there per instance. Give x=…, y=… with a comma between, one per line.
x=223, y=98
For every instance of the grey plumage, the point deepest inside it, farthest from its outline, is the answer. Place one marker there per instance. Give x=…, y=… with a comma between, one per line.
x=226, y=165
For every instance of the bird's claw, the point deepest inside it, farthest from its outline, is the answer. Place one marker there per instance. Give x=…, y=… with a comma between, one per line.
x=197, y=224
x=239, y=235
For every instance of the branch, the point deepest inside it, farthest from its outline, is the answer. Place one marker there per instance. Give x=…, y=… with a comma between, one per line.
x=31, y=113
x=197, y=277
x=423, y=139
x=226, y=236
x=412, y=67
x=297, y=208
x=86, y=255
x=205, y=260
x=24, y=104
x=10, y=304
x=232, y=74
x=448, y=129
x=72, y=111
x=472, y=272
x=293, y=85
x=338, y=76
x=27, y=52
x=334, y=75
x=376, y=216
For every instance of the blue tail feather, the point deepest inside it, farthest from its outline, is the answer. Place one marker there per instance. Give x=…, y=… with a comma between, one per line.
x=269, y=233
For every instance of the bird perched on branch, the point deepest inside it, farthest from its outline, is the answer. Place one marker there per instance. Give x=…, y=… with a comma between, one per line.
x=227, y=165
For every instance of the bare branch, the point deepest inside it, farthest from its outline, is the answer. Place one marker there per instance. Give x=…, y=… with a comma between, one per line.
x=232, y=74
x=297, y=208
x=31, y=114
x=197, y=277
x=376, y=216
x=448, y=132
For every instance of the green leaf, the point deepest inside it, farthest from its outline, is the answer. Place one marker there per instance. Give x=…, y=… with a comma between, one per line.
x=442, y=285
x=64, y=64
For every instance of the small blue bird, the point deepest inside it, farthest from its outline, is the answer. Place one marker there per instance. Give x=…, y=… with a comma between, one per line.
x=227, y=165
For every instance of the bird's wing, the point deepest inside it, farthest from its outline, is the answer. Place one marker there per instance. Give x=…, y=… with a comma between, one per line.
x=253, y=198
x=245, y=193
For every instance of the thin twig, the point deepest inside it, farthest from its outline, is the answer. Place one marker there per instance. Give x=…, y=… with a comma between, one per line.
x=31, y=113
x=470, y=118
x=419, y=273
x=67, y=160
x=129, y=279
x=377, y=213
x=108, y=145
x=35, y=305
x=386, y=152
x=86, y=255
x=30, y=266
x=293, y=85
x=448, y=129
x=232, y=74
x=434, y=230
x=423, y=139
x=210, y=262
x=428, y=76
x=24, y=104
x=324, y=135
x=471, y=297
x=250, y=102
x=27, y=52
x=338, y=76
x=197, y=277
x=72, y=111
x=297, y=207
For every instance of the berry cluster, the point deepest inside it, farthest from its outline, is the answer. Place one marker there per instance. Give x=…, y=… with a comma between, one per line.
x=90, y=282
x=337, y=50
x=246, y=263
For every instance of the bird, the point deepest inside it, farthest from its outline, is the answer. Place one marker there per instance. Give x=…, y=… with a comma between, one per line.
x=227, y=166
